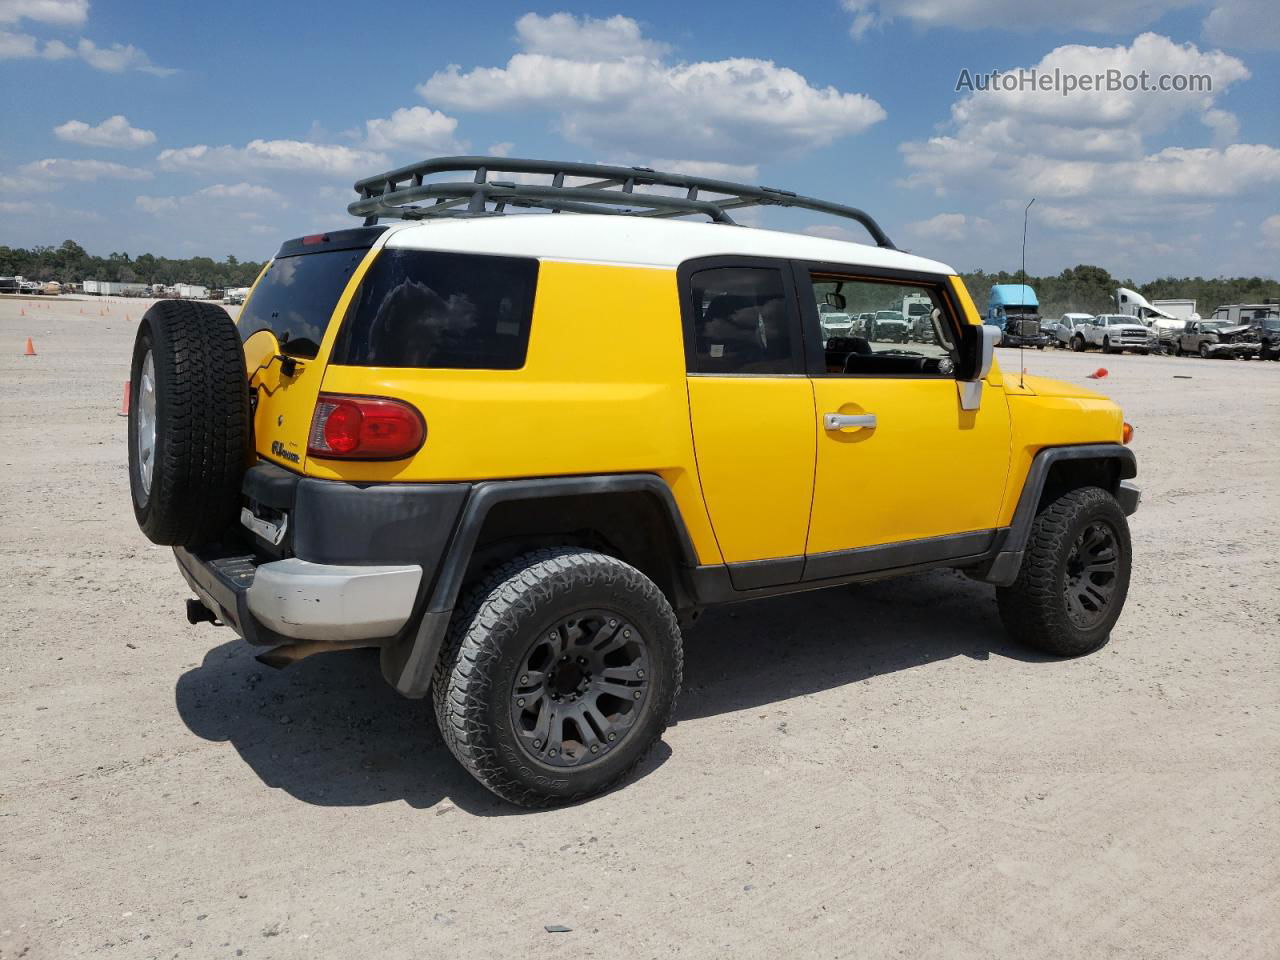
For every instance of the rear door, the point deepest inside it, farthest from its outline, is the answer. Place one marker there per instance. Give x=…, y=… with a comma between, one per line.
x=287, y=329
x=751, y=408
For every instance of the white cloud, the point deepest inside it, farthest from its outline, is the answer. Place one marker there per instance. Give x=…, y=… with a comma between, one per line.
x=297, y=155
x=17, y=46
x=944, y=227
x=115, y=131
x=626, y=100
x=564, y=35
x=1041, y=143
x=738, y=172
x=1099, y=16
x=1270, y=230
x=501, y=149
x=1247, y=24
x=56, y=168
x=62, y=13
x=218, y=193
x=118, y=57
x=413, y=127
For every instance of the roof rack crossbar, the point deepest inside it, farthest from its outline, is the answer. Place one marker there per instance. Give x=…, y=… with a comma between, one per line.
x=609, y=189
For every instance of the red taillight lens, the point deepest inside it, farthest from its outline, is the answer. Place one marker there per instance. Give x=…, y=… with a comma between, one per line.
x=364, y=428
x=1126, y=433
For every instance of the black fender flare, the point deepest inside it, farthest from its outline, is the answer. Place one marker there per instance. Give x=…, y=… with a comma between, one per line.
x=1003, y=569
x=409, y=664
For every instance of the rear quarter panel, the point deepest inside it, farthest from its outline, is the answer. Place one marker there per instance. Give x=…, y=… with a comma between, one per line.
x=602, y=391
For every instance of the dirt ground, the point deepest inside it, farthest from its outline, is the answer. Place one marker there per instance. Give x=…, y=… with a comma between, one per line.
x=863, y=772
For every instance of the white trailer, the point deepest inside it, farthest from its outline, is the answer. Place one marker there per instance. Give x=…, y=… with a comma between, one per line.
x=1182, y=309
x=192, y=291
x=110, y=288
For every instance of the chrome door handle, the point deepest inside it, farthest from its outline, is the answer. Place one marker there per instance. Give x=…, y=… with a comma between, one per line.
x=839, y=421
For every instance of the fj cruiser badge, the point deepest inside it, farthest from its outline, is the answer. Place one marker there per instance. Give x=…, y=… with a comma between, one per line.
x=278, y=449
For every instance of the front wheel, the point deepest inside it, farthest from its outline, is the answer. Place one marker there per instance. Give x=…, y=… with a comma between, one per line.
x=1204, y=351
x=1077, y=344
x=560, y=673
x=1074, y=576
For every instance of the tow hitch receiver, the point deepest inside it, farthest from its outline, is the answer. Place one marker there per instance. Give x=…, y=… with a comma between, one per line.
x=197, y=612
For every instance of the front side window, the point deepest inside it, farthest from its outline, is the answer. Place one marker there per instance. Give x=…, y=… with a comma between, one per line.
x=418, y=308
x=742, y=322
x=902, y=329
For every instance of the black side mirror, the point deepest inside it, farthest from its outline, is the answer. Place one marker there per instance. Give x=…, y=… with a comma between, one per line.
x=836, y=300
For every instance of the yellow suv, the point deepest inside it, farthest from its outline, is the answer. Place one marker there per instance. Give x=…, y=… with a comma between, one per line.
x=518, y=452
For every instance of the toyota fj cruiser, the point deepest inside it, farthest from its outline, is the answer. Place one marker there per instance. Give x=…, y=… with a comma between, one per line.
x=428, y=437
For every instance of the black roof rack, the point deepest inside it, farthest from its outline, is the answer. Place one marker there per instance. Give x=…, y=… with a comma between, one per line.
x=608, y=189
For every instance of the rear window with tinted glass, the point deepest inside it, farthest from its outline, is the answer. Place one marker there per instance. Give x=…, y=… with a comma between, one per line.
x=425, y=309
x=295, y=299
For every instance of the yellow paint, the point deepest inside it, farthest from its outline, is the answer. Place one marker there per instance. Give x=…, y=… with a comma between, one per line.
x=282, y=422
x=604, y=390
x=755, y=449
x=927, y=469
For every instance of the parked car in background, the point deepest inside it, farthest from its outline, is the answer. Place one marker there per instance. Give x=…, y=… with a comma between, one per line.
x=916, y=310
x=835, y=321
x=1112, y=333
x=862, y=323
x=1263, y=321
x=888, y=326
x=1218, y=338
x=1062, y=330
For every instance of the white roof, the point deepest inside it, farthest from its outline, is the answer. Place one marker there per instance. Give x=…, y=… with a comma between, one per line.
x=636, y=241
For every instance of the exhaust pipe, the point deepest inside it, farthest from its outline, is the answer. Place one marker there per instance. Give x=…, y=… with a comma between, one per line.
x=289, y=653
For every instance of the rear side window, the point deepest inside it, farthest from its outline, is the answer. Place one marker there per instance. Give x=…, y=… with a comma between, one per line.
x=295, y=299
x=742, y=322
x=440, y=310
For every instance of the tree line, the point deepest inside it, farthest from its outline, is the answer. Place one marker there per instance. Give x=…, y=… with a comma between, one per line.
x=71, y=263
x=1079, y=289
x=1089, y=289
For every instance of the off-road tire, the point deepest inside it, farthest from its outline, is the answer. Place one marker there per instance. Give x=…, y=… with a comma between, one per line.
x=488, y=637
x=1034, y=608
x=201, y=423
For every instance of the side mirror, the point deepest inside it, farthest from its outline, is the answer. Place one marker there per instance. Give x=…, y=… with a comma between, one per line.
x=977, y=354
x=836, y=300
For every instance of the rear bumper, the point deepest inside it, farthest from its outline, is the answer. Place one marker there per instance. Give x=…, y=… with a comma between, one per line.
x=286, y=600
x=355, y=565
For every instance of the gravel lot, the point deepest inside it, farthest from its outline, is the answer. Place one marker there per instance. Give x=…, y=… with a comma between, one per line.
x=861, y=772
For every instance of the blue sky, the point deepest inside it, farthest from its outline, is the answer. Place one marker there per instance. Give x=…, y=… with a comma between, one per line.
x=211, y=129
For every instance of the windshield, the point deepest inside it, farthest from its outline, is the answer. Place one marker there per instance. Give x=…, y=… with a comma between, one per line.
x=919, y=309
x=1213, y=325
x=888, y=315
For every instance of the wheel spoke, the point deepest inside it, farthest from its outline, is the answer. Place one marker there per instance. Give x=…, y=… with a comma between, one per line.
x=627, y=674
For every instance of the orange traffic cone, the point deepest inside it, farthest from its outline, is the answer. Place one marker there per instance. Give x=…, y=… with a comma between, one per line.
x=1097, y=374
x=31, y=349
x=126, y=318
x=124, y=402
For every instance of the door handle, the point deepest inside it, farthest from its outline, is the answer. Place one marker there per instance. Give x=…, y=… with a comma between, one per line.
x=839, y=421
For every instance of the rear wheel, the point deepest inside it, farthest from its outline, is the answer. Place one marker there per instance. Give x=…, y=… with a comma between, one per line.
x=188, y=422
x=561, y=672
x=1074, y=576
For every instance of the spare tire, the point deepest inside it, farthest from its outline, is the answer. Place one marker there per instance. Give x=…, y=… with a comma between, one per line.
x=188, y=422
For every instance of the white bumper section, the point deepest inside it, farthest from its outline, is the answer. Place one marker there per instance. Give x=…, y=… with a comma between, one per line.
x=316, y=601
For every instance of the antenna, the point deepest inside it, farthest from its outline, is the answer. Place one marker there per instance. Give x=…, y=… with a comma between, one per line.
x=1022, y=375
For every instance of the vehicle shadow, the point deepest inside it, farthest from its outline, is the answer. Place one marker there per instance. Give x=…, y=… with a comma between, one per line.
x=331, y=732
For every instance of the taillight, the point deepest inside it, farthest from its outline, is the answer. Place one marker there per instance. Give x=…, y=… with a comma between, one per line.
x=364, y=428
x=1126, y=433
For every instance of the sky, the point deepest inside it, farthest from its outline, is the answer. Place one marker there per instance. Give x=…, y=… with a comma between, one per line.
x=211, y=129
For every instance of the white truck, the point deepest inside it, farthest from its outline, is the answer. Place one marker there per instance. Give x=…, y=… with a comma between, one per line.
x=1113, y=333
